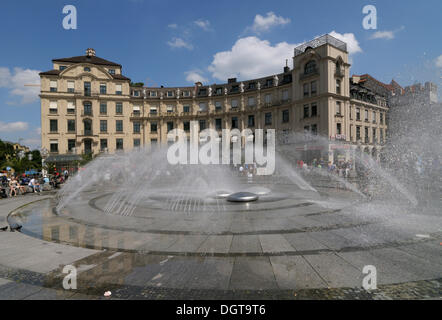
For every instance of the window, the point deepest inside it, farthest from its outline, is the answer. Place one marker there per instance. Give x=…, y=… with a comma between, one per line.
x=186, y=108
x=306, y=111
x=53, y=107
x=203, y=106
x=103, y=108
x=350, y=113
x=366, y=115
x=53, y=125
x=102, y=88
x=366, y=134
x=306, y=92
x=87, y=89
x=202, y=124
x=234, y=103
x=119, y=108
x=111, y=71
x=186, y=93
x=269, y=82
x=153, y=110
x=285, y=95
x=71, y=107
x=252, y=85
x=153, y=142
x=313, y=87
x=218, y=105
x=53, y=86
x=268, y=99
x=219, y=91
x=137, y=143
x=153, y=93
x=381, y=132
x=251, y=101
x=103, y=144
x=137, y=127
x=61, y=68
x=202, y=92
x=374, y=135
x=186, y=125
x=54, y=146
x=310, y=67
x=170, y=108
x=358, y=114
x=136, y=93
x=87, y=69
x=71, y=125
x=285, y=116
x=153, y=127
x=268, y=118
x=71, y=86
x=103, y=125
x=170, y=94
x=71, y=144
x=218, y=124
x=314, y=110
x=234, y=88
x=87, y=109
x=118, y=89
x=374, y=116
x=358, y=133
x=119, y=125
x=251, y=121
x=136, y=111
x=169, y=126
x=338, y=108
x=338, y=128
x=119, y=143
x=381, y=118
x=338, y=86
x=234, y=122
x=314, y=129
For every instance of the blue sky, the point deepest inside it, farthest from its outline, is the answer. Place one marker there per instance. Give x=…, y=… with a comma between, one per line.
x=177, y=42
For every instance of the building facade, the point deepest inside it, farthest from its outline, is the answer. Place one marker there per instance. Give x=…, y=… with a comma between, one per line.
x=88, y=106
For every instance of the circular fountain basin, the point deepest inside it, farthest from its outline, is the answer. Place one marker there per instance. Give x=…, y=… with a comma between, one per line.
x=242, y=197
x=221, y=194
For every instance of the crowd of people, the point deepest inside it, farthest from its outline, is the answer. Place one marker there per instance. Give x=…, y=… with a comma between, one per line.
x=12, y=185
x=341, y=168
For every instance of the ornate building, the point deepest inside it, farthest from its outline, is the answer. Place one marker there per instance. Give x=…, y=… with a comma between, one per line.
x=88, y=106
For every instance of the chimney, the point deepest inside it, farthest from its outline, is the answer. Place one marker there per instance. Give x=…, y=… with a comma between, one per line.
x=90, y=52
x=231, y=80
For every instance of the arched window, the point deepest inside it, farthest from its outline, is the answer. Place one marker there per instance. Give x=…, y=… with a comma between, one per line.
x=310, y=67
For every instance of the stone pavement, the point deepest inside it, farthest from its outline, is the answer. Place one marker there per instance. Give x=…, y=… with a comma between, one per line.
x=288, y=248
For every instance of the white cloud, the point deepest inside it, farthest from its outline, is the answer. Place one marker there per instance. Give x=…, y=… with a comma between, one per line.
x=195, y=76
x=172, y=26
x=13, y=126
x=249, y=58
x=386, y=35
x=203, y=24
x=349, y=38
x=439, y=61
x=179, y=43
x=16, y=80
x=265, y=23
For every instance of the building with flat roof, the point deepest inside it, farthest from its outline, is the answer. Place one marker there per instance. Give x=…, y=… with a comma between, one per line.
x=89, y=106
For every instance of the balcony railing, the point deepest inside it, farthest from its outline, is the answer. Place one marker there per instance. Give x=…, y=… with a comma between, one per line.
x=319, y=41
x=87, y=133
x=314, y=72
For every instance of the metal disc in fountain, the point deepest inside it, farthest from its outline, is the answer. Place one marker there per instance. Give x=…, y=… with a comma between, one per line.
x=242, y=197
x=221, y=194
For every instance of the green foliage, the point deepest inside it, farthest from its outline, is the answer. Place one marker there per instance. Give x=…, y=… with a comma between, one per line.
x=137, y=84
x=9, y=158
